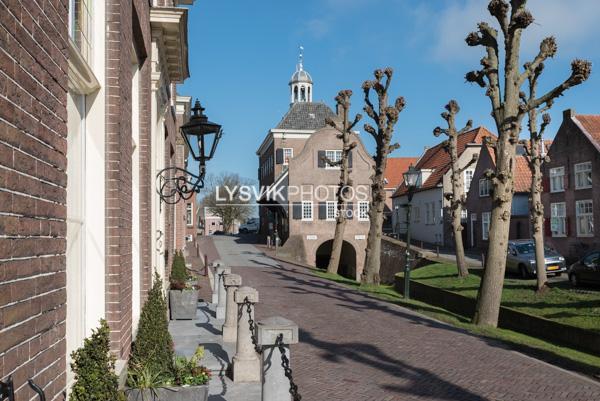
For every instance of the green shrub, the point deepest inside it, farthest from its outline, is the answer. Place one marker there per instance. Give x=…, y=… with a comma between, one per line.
x=179, y=273
x=94, y=368
x=153, y=347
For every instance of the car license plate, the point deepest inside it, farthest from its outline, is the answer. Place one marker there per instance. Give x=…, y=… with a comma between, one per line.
x=552, y=268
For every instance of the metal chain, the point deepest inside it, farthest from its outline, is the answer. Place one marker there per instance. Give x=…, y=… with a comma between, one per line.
x=257, y=347
x=285, y=363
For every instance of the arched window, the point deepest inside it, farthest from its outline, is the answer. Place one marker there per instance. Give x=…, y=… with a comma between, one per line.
x=303, y=94
x=295, y=93
x=309, y=97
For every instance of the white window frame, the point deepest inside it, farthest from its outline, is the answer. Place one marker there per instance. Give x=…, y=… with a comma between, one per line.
x=484, y=187
x=581, y=171
x=290, y=155
x=189, y=215
x=468, y=179
x=84, y=41
x=555, y=174
x=558, y=218
x=307, y=211
x=588, y=214
x=331, y=211
x=485, y=225
x=363, y=211
x=332, y=154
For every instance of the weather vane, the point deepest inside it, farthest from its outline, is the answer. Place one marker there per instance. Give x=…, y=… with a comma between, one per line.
x=301, y=57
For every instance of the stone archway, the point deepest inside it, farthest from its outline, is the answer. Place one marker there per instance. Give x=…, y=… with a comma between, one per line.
x=347, y=266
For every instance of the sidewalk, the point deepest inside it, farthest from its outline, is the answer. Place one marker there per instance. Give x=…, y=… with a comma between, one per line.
x=205, y=330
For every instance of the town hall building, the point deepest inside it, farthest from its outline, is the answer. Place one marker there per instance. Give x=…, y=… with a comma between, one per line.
x=292, y=159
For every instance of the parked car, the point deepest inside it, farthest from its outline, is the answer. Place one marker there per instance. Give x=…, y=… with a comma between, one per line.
x=250, y=226
x=521, y=259
x=586, y=270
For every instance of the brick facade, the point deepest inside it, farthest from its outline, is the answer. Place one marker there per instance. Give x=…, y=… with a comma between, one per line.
x=572, y=146
x=35, y=93
x=33, y=129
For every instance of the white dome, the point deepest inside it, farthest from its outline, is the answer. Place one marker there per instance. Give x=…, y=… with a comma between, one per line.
x=301, y=76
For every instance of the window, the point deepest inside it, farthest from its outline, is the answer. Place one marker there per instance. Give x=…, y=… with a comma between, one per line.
x=331, y=212
x=557, y=179
x=333, y=156
x=584, y=213
x=80, y=26
x=441, y=215
x=363, y=211
x=188, y=214
x=464, y=214
x=558, y=219
x=468, y=179
x=485, y=225
x=485, y=187
x=416, y=212
x=288, y=153
x=427, y=213
x=307, y=210
x=583, y=175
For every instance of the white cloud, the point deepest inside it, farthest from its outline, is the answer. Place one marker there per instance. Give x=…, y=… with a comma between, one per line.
x=574, y=23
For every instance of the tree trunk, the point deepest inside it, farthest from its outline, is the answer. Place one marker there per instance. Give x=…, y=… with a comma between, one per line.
x=537, y=218
x=461, y=263
x=373, y=251
x=492, y=282
x=336, y=247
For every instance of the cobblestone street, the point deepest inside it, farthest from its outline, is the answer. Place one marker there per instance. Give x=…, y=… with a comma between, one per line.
x=353, y=347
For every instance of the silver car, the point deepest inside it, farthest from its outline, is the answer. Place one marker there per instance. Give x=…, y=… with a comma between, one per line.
x=521, y=259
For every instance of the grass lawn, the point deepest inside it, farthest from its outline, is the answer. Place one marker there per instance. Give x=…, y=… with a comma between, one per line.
x=561, y=356
x=562, y=304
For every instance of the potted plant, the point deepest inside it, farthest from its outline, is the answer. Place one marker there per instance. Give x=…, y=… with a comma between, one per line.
x=94, y=369
x=183, y=294
x=155, y=373
x=187, y=382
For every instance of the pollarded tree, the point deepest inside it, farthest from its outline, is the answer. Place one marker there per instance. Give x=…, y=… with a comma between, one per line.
x=345, y=130
x=536, y=157
x=457, y=197
x=508, y=110
x=385, y=118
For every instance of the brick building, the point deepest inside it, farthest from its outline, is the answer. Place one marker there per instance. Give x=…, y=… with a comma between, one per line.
x=430, y=218
x=478, y=209
x=291, y=156
x=570, y=193
x=87, y=119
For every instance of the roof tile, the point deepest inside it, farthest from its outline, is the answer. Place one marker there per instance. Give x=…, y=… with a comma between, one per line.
x=306, y=116
x=438, y=160
x=396, y=167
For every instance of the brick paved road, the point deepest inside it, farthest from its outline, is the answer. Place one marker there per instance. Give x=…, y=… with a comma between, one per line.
x=354, y=348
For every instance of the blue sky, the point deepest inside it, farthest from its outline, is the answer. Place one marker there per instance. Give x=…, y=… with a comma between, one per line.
x=243, y=53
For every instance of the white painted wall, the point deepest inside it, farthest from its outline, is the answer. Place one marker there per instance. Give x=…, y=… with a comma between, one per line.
x=135, y=198
x=86, y=264
x=419, y=228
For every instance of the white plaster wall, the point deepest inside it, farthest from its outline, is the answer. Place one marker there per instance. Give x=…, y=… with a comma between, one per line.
x=420, y=230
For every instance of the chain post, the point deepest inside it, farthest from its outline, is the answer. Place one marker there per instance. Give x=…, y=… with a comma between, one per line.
x=285, y=364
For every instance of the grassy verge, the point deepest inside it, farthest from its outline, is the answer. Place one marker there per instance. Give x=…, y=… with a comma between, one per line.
x=562, y=304
x=561, y=356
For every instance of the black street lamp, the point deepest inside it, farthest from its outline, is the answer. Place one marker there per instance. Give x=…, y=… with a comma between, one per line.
x=412, y=180
x=201, y=137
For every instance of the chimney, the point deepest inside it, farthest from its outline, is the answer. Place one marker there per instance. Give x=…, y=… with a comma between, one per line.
x=568, y=114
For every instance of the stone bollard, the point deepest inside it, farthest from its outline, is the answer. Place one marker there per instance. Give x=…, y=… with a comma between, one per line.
x=232, y=282
x=215, y=294
x=246, y=365
x=222, y=294
x=275, y=385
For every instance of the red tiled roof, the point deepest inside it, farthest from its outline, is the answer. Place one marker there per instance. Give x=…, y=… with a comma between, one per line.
x=591, y=125
x=522, y=174
x=438, y=160
x=396, y=167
